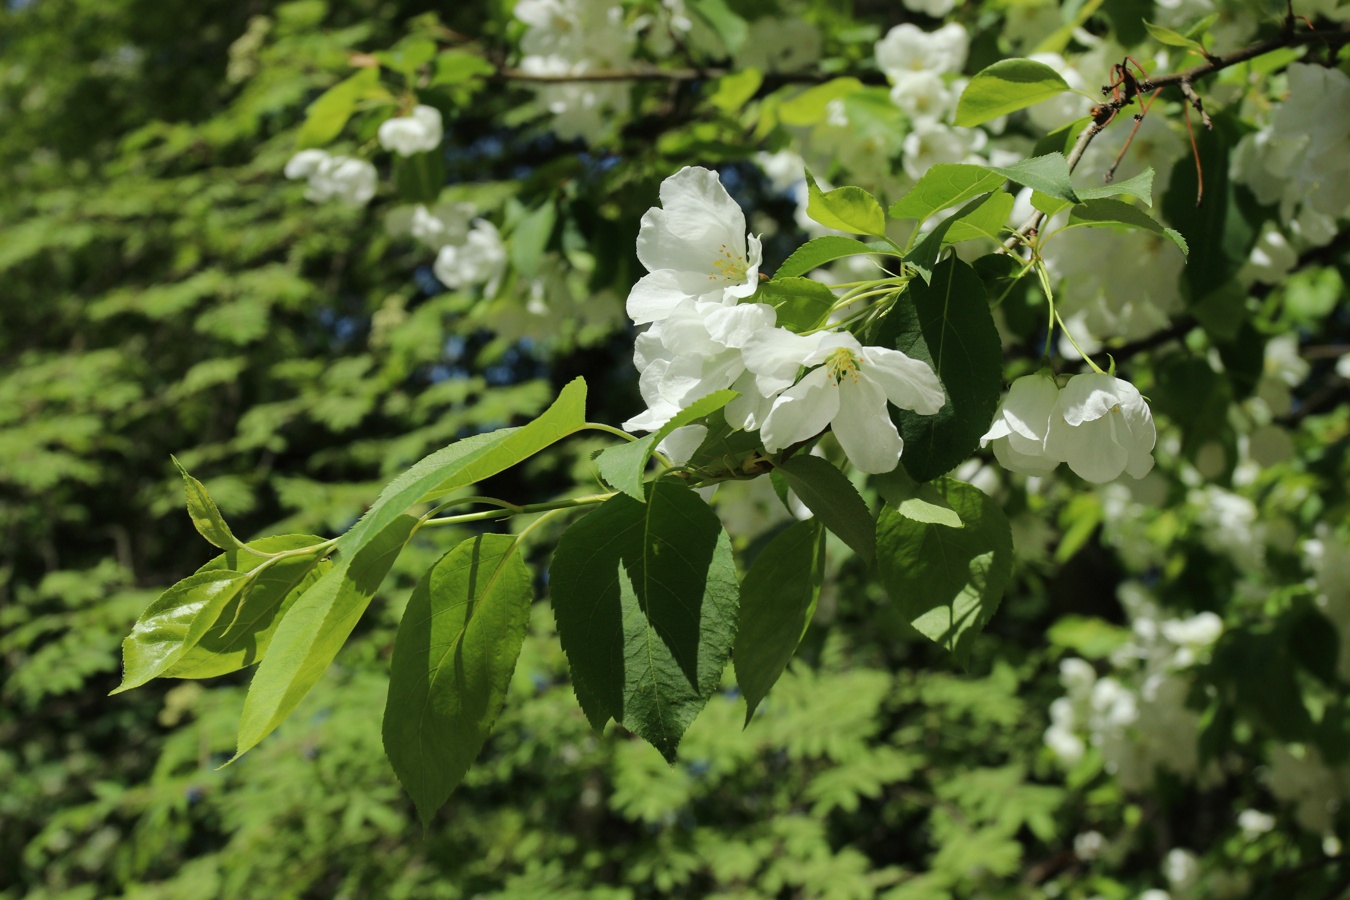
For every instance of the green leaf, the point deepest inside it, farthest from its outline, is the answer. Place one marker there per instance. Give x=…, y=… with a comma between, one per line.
x=468, y=461
x=622, y=467
x=328, y=115
x=244, y=628
x=985, y=221
x=530, y=237
x=777, y=597
x=947, y=323
x=206, y=517
x=944, y=186
x=1051, y=206
x=819, y=251
x=845, y=209
x=801, y=304
x=314, y=630
x=420, y=177
x=174, y=623
x=810, y=107
x=913, y=500
x=455, y=67
x=408, y=55
x=452, y=663
x=728, y=26
x=646, y=602
x=731, y=92
x=1109, y=213
x=1087, y=636
x=1048, y=174
x=1140, y=186
x=1173, y=39
x=947, y=582
x=835, y=501
x=1007, y=86
x=924, y=255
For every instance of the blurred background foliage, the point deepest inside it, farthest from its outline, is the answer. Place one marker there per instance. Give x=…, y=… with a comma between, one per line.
x=162, y=289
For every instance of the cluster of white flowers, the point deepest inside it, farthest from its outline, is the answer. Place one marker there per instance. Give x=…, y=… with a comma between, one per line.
x=573, y=37
x=1327, y=556
x=922, y=68
x=702, y=338
x=1298, y=775
x=1301, y=159
x=1136, y=729
x=469, y=251
x=419, y=131
x=1098, y=424
x=343, y=178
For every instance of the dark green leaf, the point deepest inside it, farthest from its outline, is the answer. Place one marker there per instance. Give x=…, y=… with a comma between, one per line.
x=924, y=255
x=988, y=220
x=206, y=517
x=420, y=177
x=914, y=500
x=174, y=623
x=947, y=582
x=244, y=629
x=314, y=630
x=1140, y=186
x=777, y=596
x=1007, y=86
x=468, y=461
x=825, y=491
x=947, y=323
x=819, y=251
x=646, y=601
x=1048, y=174
x=622, y=467
x=944, y=186
x=452, y=663
x=1109, y=213
x=845, y=209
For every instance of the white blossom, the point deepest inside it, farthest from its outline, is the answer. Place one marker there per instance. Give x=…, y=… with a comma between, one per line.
x=847, y=389
x=350, y=181
x=443, y=224
x=415, y=133
x=480, y=259
x=1254, y=823
x=907, y=48
x=1101, y=427
x=1023, y=420
x=923, y=96
x=694, y=247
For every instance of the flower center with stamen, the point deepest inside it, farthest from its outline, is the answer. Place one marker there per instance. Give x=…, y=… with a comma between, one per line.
x=729, y=266
x=842, y=363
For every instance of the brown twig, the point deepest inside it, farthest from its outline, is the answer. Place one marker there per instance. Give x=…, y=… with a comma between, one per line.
x=1103, y=114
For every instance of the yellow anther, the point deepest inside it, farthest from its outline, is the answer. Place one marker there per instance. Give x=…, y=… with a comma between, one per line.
x=840, y=363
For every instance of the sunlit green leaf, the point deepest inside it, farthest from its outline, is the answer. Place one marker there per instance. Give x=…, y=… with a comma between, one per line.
x=1007, y=86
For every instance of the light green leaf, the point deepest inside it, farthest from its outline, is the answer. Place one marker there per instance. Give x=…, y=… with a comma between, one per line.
x=947, y=323
x=801, y=304
x=468, y=461
x=731, y=92
x=328, y=115
x=1049, y=205
x=720, y=17
x=944, y=186
x=646, y=602
x=1109, y=213
x=777, y=597
x=845, y=209
x=206, y=517
x=1087, y=636
x=1007, y=86
x=810, y=107
x=408, y=55
x=455, y=67
x=987, y=220
x=947, y=581
x=244, y=628
x=314, y=630
x=174, y=623
x=1173, y=39
x=622, y=467
x=834, y=500
x=819, y=251
x=1140, y=186
x=920, y=502
x=530, y=237
x=924, y=255
x=452, y=663
x=1048, y=174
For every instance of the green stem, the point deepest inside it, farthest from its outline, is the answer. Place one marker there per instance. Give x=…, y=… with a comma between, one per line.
x=1055, y=318
x=609, y=429
x=490, y=514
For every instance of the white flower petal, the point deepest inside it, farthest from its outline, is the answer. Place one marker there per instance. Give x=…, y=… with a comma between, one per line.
x=733, y=326
x=775, y=355
x=696, y=224
x=864, y=428
x=801, y=411
x=908, y=383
